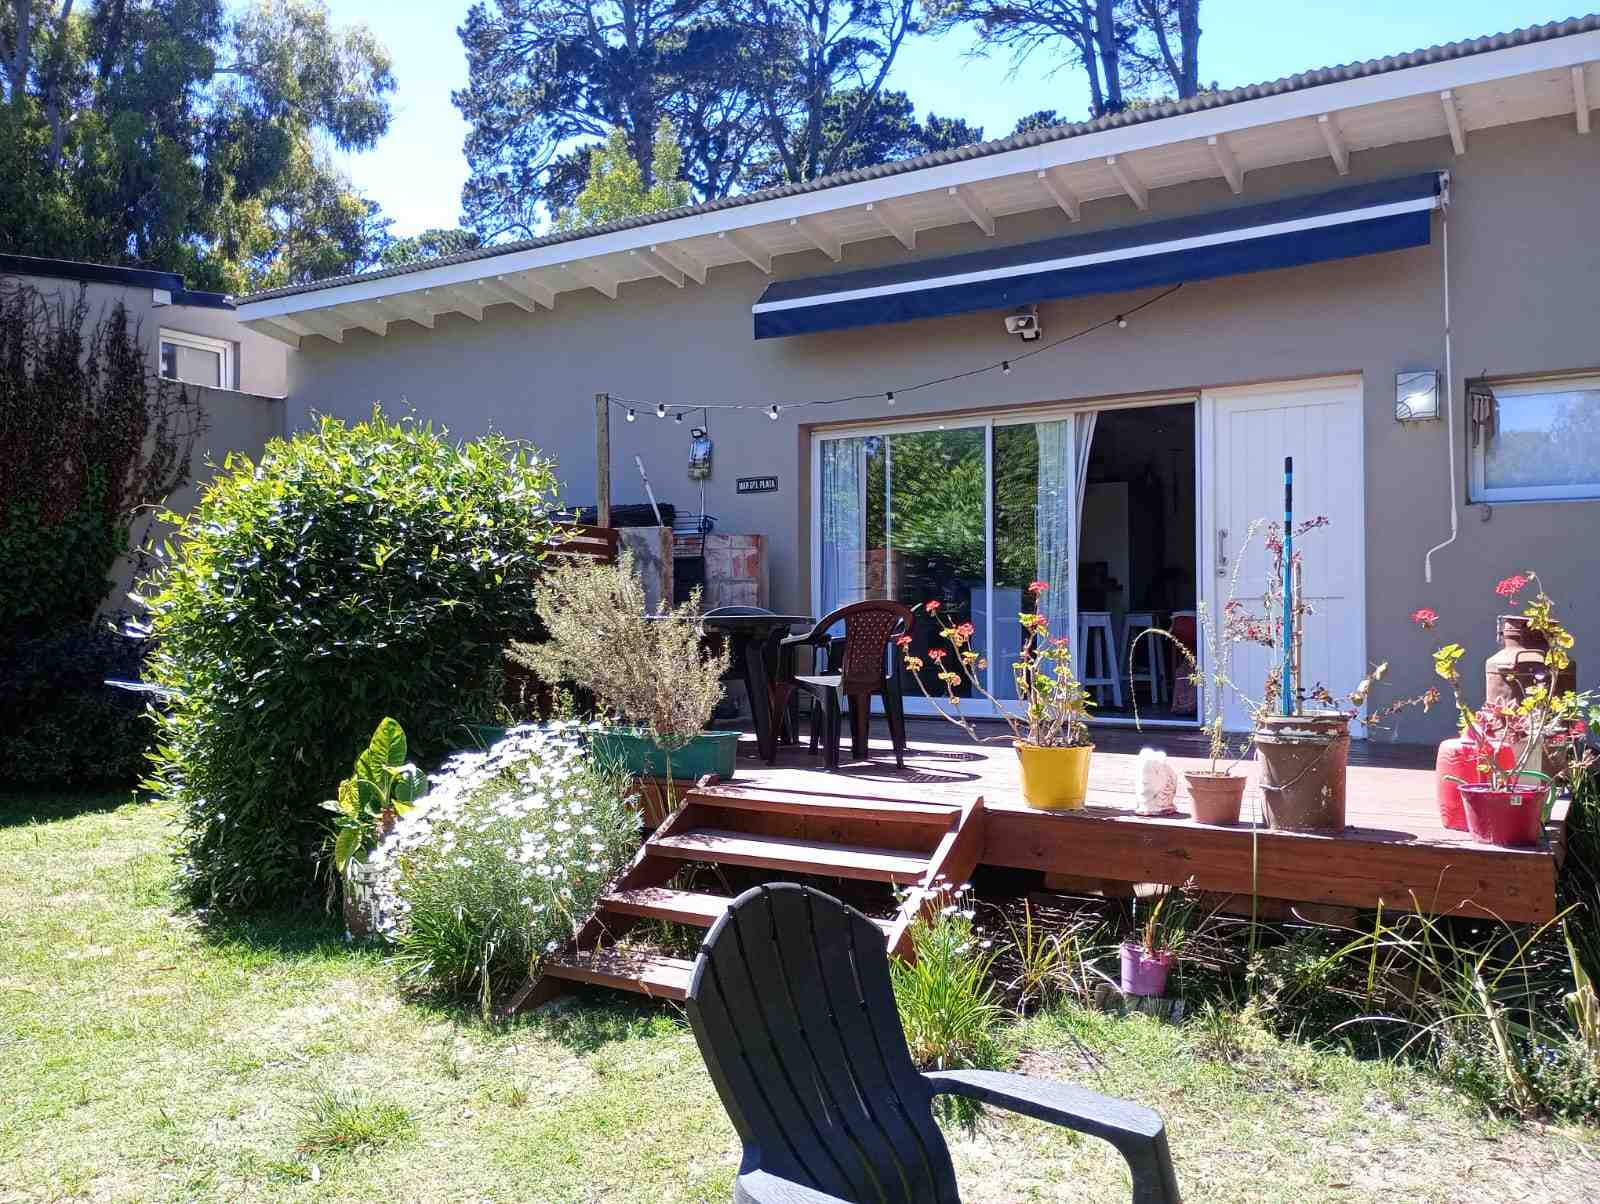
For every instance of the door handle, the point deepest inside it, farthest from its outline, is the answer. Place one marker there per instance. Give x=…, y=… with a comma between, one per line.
x=1222, y=552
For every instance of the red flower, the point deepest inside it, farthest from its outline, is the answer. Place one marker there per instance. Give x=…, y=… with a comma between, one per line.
x=931, y=605
x=902, y=640
x=936, y=655
x=1512, y=586
x=1424, y=618
x=1038, y=587
x=965, y=631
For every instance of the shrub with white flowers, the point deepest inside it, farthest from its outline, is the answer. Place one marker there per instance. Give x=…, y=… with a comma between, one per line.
x=502, y=860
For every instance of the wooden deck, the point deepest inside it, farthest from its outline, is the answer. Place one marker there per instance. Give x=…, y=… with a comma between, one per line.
x=1395, y=852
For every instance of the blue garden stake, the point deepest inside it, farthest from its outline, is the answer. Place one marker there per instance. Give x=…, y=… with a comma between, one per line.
x=1288, y=583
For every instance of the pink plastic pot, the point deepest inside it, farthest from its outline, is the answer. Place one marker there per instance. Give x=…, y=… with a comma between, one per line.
x=1143, y=974
x=1513, y=816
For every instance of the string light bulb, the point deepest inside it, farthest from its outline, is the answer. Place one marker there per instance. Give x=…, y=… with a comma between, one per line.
x=633, y=415
x=889, y=396
x=1005, y=367
x=1122, y=322
x=661, y=409
x=678, y=418
x=773, y=412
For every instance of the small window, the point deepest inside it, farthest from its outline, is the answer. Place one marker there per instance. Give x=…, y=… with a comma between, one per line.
x=196, y=359
x=1541, y=444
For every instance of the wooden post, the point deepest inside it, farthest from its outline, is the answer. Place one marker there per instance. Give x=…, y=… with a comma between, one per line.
x=602, y=442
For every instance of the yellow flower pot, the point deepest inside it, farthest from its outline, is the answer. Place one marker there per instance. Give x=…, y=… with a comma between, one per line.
x=1054, y=779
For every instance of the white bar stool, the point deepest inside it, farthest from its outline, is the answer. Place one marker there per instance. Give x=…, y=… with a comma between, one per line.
x=1152, y=676
x=1097, y=645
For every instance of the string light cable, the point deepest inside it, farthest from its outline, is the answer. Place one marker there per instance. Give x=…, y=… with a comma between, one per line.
x=772, y=409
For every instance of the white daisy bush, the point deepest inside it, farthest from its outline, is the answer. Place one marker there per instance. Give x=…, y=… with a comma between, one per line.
x=503, y=858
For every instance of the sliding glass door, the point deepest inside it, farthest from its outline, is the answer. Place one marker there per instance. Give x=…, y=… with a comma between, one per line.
x=971, y=515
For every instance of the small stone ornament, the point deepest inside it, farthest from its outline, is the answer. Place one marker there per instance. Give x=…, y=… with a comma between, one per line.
x=1158, y=784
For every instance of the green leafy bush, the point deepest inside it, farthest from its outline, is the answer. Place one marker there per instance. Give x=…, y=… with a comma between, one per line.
x=64, y=727
x=357, y=571
x=502, y=860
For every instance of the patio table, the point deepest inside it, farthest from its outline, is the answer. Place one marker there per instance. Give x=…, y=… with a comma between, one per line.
x=752, y=642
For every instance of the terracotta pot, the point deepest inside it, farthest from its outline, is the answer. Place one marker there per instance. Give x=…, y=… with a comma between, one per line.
x=1303, y=762
x=1144, y=973
x=1458, y=758
x=1054, y=779
x=1513, y=817
x=1217, y=796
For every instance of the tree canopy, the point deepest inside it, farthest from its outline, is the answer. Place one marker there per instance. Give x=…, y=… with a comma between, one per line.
x=1124, y=47
x=616, y=186
x=177, y=134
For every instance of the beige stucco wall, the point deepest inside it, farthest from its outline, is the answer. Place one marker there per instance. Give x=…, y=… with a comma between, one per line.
x=235, y=422
x=1524, y=259
x=259, y=362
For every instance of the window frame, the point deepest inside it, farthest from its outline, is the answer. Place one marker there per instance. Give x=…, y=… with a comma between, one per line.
x=223, y=348
x=1479, y=492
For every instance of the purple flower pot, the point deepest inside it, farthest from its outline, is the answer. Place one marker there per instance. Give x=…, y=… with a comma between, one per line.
x=1143, y=974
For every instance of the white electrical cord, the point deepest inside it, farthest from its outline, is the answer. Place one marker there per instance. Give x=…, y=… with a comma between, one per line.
x=1449, y=402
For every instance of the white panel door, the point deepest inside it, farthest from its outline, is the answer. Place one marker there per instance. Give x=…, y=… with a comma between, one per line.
x=1247, y=434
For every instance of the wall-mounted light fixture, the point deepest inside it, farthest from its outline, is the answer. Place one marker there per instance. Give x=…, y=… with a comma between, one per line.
x=1416, y=396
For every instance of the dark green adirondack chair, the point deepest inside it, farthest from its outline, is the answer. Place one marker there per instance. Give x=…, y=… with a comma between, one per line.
x=793, y=1009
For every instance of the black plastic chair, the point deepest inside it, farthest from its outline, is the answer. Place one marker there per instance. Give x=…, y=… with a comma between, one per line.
x=793, y=1009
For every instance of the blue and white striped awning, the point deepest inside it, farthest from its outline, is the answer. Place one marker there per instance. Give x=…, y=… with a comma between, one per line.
x=1360, y=220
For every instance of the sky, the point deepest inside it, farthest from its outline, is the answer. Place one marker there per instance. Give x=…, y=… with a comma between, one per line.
x=417, y=171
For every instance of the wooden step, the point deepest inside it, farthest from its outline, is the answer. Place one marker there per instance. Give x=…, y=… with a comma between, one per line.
x=795, y=856
x=695, y=908
x=663, y=903
x=822, y=806
x=638, y=970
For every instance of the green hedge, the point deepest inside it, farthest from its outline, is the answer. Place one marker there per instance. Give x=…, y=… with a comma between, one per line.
x=356, y=571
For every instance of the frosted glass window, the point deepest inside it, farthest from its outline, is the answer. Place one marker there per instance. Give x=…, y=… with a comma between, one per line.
x=1545, y=444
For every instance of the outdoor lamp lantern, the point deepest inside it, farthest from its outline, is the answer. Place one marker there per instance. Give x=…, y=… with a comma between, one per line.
x=699, y=454
x=1416, y=396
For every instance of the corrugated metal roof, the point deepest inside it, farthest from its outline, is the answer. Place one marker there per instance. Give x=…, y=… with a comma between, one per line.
x=1293, y=83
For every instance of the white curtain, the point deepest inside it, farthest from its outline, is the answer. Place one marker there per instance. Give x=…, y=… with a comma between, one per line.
x=844, y=518
x=1063, y=470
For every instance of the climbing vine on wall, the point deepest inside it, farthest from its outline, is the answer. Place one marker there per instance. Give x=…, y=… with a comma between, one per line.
x=90, y=434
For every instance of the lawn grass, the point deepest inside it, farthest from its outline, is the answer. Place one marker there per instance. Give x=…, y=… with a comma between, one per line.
x=144, y=1057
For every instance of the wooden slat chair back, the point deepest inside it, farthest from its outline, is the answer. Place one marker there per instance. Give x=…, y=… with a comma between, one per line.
x=792, y=1005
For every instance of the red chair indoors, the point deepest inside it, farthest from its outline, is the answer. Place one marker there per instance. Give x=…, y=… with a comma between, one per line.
x=857, y=668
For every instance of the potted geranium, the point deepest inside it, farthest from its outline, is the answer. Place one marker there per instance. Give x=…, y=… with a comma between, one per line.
x=650, y=670
x=1050, y=731
x=1521, y=748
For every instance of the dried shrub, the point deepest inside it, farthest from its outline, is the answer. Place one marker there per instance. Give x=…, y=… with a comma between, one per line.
x=650, y=669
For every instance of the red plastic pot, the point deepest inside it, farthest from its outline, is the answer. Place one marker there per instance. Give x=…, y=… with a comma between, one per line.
x=1513, y=816
x=1458, y=758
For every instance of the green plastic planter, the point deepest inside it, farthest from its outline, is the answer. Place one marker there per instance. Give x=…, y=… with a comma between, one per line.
x=481, y=735
x=634, y=751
